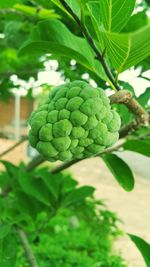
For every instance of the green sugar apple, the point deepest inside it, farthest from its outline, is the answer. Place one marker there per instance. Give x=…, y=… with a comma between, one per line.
x=75, y=122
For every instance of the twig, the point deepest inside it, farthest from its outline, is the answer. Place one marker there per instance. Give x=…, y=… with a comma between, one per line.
x=14, y=146
x=26, y=246
x=125, y=97
x=128, y=128
x=65, y=165
x=34, y=163
x=92, y=44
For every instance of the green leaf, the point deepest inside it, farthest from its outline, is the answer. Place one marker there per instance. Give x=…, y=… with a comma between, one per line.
x=52, y=36
x=137, y=21
x=120, y=170
x=57, y=184
x=139, y=146
x=123, y=49
x=126, y=50
x=72, y=3
x=8, y=3
x=12, y=173
x=4, y=230
x=144, y=98
x=8, y=251
x=111, y=15
x=28, y=206
x=78, y=195
x=34, y=187
x=10, y=168
x=143, y=247
x=32, y=11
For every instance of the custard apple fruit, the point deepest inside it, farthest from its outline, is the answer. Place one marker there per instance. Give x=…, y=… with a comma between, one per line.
x=75, y=122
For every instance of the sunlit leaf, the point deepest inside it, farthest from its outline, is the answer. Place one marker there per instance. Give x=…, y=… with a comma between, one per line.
x=111, y=15
x=78, y=195
x=143, y=247
x=139, y=146
x=52, y=36
x=120, y=170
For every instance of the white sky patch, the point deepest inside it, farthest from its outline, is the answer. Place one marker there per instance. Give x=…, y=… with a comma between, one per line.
x=50, y=77
x=85, y=76
x=2, y=35
x=73, y=62
x=51, y=65
x=139, y=84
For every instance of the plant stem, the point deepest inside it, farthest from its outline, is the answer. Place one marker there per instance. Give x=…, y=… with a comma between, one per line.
x=26, y=246
x=65, y=165
x=98, y=54
x=14, y=146
x=34, y=163
x=125, y=97
x=128, y=128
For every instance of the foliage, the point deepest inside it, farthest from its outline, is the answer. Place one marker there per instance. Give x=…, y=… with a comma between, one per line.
x=103, y=38
x=123, y=174
x=143, y=247
x=50, y=209
x=19, y=18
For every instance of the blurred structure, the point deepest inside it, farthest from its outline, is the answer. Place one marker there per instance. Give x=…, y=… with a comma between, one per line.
x=14, y=116
x=14, y=127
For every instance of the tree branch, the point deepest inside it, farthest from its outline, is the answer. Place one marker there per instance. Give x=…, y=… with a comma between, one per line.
x=92, y=44
x=125, y=97
x=34, y=163
x=128, y=128
x=65, y=165
x=26, y=246
x=14, y=146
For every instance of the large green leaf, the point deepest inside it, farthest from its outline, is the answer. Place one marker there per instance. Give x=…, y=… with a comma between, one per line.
x=32, y=11
x=8, y=3
x=78, y=195
x=126, y=50
x=111, y=15
x=8, y=251
x=139, y=146
x=52, y=36
x=34, y=187
x=11, y=174
x=120, y=170
x=72, y=3
x=143, y=247
x=28, y=206
x=123, y=49
x=58, y=184
x=137, y=21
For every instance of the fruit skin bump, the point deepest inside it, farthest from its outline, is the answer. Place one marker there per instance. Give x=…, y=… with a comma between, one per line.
x=75, y=122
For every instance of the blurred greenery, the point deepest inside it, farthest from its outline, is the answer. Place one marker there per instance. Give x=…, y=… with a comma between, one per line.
x=60, y=229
